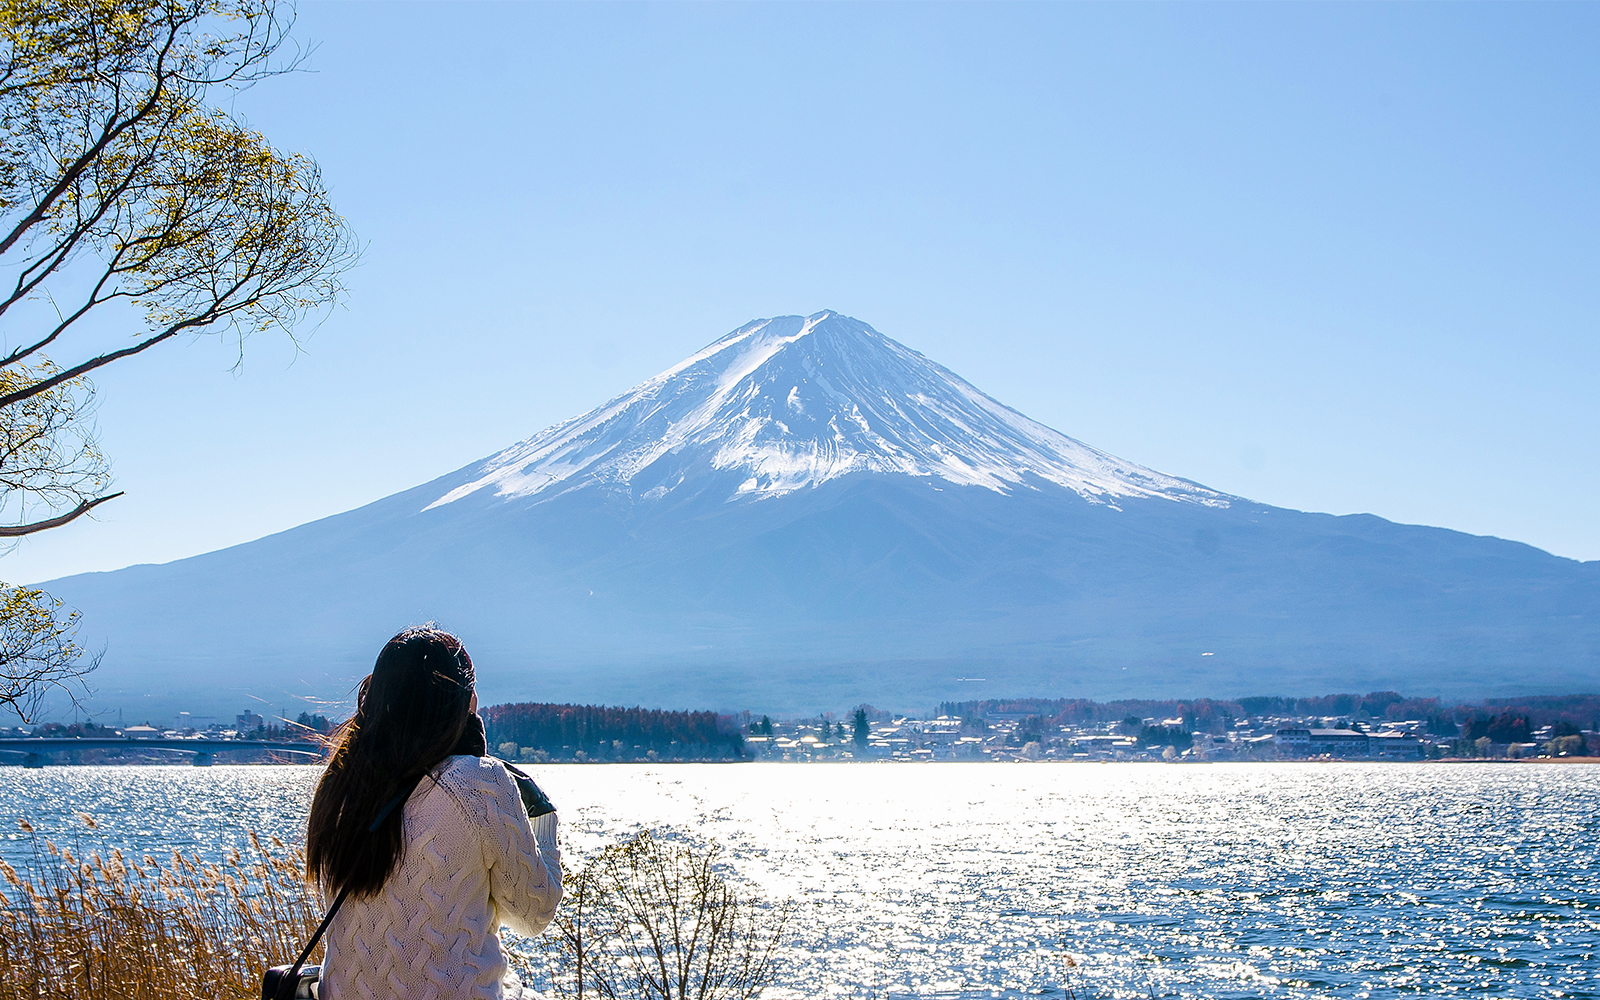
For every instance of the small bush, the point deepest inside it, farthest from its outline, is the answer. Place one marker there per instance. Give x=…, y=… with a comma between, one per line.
x=647, y=920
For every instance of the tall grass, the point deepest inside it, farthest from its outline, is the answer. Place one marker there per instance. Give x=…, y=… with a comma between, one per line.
x=110, y=928
x=644, y=919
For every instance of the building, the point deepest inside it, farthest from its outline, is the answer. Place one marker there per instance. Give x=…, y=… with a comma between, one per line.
x=1394, y=744
x=1295, y=740
x=1339, y=742
x=249, y=721
x=1108, y=744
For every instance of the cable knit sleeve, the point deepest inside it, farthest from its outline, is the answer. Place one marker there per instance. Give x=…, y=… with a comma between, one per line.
x=522, y=857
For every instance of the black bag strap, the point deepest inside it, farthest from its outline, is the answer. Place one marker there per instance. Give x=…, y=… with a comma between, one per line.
x=288, y=984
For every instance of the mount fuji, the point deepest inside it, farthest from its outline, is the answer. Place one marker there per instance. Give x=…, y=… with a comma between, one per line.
x=789, y=404
x=806, y=515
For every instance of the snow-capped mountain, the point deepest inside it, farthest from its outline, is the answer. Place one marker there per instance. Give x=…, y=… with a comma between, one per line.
x=791, y=403
x=806, y=515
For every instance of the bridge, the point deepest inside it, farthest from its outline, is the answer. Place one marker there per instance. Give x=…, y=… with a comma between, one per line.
x=34, y=749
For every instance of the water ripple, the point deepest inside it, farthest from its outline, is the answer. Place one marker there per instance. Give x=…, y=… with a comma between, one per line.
x=953, y=880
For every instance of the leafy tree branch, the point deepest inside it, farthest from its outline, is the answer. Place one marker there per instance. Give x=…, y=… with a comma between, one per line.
x=127, y=192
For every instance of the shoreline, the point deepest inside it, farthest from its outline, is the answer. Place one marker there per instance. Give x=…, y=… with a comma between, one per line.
x=7, y=765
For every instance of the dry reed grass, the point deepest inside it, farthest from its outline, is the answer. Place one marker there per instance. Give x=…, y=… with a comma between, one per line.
x=93, y=928
x=644, y=919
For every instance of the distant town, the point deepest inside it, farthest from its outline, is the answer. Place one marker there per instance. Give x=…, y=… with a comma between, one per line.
x=1377, y=726
x=1012, y=738
x=1380, y=725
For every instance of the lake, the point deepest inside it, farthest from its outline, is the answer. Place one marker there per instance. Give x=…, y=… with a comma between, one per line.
x=977, y=880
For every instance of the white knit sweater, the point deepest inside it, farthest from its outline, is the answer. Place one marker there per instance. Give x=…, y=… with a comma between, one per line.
x=473, y=861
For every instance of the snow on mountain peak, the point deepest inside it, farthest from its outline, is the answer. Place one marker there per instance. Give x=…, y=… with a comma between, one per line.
x=789, y=403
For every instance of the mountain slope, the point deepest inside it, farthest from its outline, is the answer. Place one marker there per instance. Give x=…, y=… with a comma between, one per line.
x=805, y=515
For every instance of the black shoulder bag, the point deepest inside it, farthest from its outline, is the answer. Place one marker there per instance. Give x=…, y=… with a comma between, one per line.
x=297, y=981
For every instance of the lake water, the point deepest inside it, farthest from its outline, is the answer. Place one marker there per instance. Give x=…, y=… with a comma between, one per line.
x=975, y=880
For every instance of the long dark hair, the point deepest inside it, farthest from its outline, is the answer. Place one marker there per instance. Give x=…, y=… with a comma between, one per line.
x=410, y=714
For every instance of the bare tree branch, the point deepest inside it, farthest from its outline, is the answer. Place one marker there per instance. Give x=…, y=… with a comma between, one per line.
x=48, y=453
x=17, y=530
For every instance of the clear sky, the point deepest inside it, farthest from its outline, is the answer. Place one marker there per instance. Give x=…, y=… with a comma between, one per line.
x=1332, y=257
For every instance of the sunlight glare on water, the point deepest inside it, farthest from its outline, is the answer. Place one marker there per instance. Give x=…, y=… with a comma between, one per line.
x=977, y=880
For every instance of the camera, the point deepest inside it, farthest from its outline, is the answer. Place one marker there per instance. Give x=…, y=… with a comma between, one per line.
x=534, y=800
x=275, y=979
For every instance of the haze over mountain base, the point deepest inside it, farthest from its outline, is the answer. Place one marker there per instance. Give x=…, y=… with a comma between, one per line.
x=807, y=515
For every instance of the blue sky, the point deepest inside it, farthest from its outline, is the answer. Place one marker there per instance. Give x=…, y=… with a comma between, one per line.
x=1332, y=257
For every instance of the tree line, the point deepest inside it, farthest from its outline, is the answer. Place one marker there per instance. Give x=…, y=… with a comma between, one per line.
x=610, y=732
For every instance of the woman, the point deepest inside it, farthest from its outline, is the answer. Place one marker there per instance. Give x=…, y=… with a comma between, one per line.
x=469, y=851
